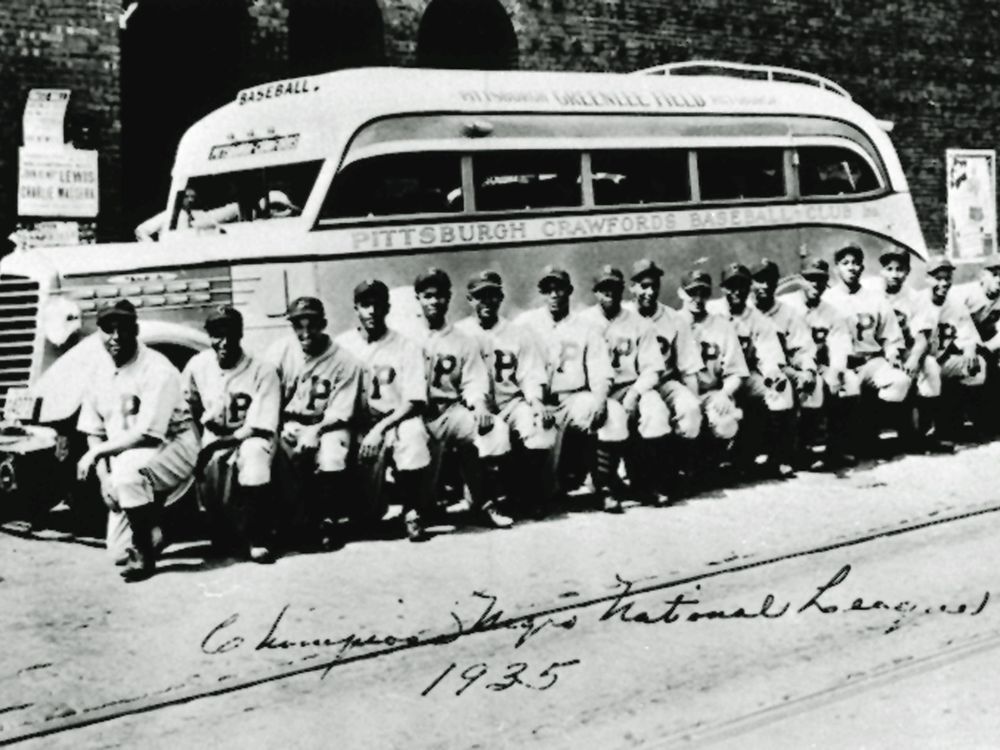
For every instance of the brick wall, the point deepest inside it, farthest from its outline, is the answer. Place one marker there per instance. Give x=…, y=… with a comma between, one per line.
x=931, y=67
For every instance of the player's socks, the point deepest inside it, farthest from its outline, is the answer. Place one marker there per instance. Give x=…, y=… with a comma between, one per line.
x=606, y=459
x=141, y=563
x=410, y=486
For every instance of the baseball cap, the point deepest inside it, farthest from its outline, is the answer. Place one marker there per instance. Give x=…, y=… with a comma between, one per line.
x=849, y=250
x=554, y=274
x=371, y=289
x=305, y=307
x=766, y=270
x=816, y=267
x=224, y=316
x=609, y=275
x=645, y=267
x=735, y=272
x=120, y=310
x=939, y=263
x=485, y=280
x=696, y=277
x=894, y=253
x=432, y=277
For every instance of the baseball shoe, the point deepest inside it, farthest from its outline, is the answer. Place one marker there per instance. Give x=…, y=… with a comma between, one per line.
x=415, y=531
x=261, y=555
x=138, y=567
x=493, y=518
x=655, y=498
x=612, y=504
x=330, y=536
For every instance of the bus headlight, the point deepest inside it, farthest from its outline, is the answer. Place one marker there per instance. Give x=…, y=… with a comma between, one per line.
x=60, y=319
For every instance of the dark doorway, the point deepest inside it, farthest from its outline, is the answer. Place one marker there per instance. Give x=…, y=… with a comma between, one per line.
x=326, y=35
x=466, y=34
x=180, y=59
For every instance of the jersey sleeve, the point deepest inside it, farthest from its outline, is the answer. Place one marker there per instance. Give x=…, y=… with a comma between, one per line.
x=801, y=347
x=189, y=390
x=475, y=376
x=839, y=341
x=157, y=402
x=600, y=373
x=265, y=408
x=90, y=421
x=649, y=359
x=531, y=373
x=733, y=363
x=767, y=345
x=889, y=333
x=413, y=374
x=689, y=360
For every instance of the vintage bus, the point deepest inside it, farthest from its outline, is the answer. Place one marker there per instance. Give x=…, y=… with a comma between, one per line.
x=308, y=186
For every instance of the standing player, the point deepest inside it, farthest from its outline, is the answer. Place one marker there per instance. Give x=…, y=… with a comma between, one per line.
x=458, y=394
x=580, y=376
x=236, y=398
x=635, y=409
x=766, y=396
x=140, y=438
x=393, y=398
x=517, y=378
x=954, y=346
x=796, y=340
x=319, y=389
x=833, y=344
x=725, y=366
x=876, y=341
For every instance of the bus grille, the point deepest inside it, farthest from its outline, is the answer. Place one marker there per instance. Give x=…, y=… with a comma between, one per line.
x=18, y=324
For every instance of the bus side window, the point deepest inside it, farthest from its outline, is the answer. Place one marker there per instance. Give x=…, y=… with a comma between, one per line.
x=831, y=170
x=741, y=173
x=507, y=181
x=396, y=184
x=629, y=177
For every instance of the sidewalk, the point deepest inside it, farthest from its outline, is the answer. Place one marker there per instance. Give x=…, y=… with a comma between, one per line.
x=79, y=641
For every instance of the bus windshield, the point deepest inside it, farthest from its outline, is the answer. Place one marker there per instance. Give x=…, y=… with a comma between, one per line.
x=249, y=195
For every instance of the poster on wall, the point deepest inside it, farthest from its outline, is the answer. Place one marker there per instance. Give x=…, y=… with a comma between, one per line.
x=44, y=116
x=972, y=217
x=57, y=183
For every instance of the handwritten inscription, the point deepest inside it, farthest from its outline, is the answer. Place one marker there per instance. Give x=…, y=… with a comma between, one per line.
x=517, y=673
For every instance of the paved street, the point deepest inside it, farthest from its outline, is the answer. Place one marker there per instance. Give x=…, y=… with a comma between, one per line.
x=782, y=615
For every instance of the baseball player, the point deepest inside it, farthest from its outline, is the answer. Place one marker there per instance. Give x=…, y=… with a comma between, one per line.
x=796, y=343
x=458, y=410
x=236, y=399
x=954, y=346
x=725, y=366
x=140, y=438
x=915, y=318
x=320, y=382
x=833, y=344
x=766, y=397
x=983, y=302
x=393, y=398
x=875, y=360
x=635, y=409
x=678, y=387
x=580, y=376
x=516, y=369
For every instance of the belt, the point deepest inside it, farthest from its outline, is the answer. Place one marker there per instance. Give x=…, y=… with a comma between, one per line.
x=437, y=406
x=306, y=419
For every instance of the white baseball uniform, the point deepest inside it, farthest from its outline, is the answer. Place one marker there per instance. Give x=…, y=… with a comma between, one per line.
x=833, y=345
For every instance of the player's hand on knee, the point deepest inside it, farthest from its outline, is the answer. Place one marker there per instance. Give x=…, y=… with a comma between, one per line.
x=600, y=416
x=371, y=444
x=546, y=415
x=484, y=421
x=308, y=440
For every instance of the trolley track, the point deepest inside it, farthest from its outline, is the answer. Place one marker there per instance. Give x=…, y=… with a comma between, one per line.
x=176, y=696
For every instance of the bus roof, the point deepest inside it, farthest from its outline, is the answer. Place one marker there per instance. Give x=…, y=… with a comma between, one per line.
x=312, y=117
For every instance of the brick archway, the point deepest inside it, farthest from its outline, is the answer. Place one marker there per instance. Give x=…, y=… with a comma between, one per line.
x=328, y=35
x=466, y=34
x=180, y=59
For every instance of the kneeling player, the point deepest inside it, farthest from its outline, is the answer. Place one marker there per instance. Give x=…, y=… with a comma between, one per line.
x=236, y=398
x=458, y=391
x=580, y=374
x=516, y=369
x=635, y=408
x=393, y=398
x=139, y=435
x=319, y=389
